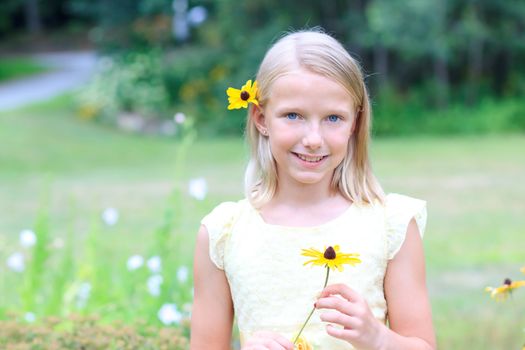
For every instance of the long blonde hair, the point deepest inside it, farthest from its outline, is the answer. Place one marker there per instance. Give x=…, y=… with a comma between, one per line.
x=319, y=53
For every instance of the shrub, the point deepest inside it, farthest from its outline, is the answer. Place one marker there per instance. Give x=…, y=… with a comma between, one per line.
x=87, y=333
x=128, y=83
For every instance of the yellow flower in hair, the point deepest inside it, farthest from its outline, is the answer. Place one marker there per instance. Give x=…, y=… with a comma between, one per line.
x=502, y=292
x=240, y=98
x=331, y=258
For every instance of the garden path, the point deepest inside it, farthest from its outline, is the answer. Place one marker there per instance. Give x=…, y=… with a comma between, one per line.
x=68, y=71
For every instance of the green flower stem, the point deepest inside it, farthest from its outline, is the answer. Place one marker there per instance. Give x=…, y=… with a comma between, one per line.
x=313, y=309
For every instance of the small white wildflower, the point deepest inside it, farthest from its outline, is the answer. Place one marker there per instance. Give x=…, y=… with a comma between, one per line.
x=197, y=15
x=182, y=274
x=29, y=317
x=135, y=262
x=110, y=216
x=154, y=283
x=16, y=262
x=168, y=314
x=83, y=293
x=198, y=188
x=179, y=117
x=154, y=264
x=27, y=238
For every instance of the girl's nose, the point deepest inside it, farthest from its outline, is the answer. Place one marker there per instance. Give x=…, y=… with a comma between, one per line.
x=312, y=138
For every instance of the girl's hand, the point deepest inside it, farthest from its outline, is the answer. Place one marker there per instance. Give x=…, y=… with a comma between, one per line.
x=361, y=328
x=268, y=341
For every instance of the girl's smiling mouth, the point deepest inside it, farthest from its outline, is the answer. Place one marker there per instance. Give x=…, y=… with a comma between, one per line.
x=309, y=158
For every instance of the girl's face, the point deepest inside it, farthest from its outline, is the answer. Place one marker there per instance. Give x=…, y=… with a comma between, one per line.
x=309, y=120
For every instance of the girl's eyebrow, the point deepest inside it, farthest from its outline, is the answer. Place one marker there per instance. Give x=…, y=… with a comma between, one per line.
x=291, y=108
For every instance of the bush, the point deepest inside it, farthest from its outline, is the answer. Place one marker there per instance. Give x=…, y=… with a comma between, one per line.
x=87, y=333
x=128, y=83
x=409, y=114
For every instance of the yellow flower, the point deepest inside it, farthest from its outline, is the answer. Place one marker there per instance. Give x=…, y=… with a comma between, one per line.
x=523, y=270
x=240, y=98
x=331, y=258
x=302, y=344
x=502, y=292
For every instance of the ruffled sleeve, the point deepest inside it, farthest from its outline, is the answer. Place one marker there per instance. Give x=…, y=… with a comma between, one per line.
x=219, y=223
x=399, y=211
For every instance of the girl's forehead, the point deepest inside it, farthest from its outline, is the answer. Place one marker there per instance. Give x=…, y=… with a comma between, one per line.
x=303, y=86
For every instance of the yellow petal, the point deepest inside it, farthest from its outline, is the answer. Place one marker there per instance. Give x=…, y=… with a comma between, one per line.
x=517, y=284
x=232, y=92
x=247, y=86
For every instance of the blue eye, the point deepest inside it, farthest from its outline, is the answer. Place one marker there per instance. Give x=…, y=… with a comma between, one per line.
x=333, y=118
x=292, y=116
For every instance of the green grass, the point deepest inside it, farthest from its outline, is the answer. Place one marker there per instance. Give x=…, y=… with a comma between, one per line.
x=12, y=68
x=474, y=187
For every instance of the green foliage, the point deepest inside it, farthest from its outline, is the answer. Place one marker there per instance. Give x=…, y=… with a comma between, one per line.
x=131, y=83
x=89, y=333
x=86, y=273
x=396, y=114
x=38, y=262
x=11, y=68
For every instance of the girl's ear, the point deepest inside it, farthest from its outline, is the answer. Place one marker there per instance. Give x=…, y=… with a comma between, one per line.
x=257, y=116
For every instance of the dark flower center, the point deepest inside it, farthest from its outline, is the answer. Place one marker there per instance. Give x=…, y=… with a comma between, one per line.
x=245, y=95
x=507, y=281
x=329, y=253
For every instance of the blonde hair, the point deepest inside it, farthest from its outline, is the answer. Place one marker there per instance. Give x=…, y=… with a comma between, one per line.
x=319, y=53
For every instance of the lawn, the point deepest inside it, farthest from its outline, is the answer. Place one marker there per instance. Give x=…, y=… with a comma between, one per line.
x=474, y=187
x=12, y=68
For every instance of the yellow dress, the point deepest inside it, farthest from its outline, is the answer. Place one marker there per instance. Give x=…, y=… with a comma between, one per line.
x=270, y=287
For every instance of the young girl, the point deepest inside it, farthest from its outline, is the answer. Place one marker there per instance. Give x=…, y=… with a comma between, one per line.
x=309, y=185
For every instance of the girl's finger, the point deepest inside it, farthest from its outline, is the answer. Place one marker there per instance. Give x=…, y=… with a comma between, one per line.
x=341, y=289
x=348, y=322
x=340, y=333
x=336, y=303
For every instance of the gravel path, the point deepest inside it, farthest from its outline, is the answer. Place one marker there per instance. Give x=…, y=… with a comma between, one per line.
x=69, y=70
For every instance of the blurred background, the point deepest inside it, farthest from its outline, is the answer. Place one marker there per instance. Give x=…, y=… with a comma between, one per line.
x=116, y=141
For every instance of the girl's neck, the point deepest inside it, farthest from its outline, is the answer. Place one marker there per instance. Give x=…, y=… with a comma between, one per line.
x=302, y=196
x=291, y=192
x=303, y=208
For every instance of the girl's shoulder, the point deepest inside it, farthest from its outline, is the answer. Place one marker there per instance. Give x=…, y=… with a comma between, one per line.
x=219, y=223
x=399, y=210
x=224, y=212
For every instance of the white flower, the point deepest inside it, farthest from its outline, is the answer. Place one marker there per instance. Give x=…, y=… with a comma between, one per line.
x=16, y=262
x=154, y=264
x=27, y=238
x=197, y=15
x=110, y=216
x=83, y=293
x=169, y=314
x=154, y=283
x=198, y=188
x=134, y=262
x=29, y=317
x=179, y=118
x=182, y=274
